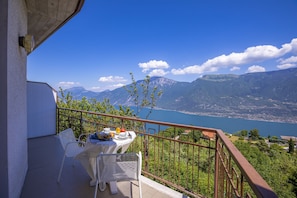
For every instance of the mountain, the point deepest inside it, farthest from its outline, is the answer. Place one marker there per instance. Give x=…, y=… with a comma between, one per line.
x=269, y=96
x=79, y=92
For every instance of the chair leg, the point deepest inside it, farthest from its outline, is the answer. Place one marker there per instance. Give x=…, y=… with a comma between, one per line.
x=60, y=172
x=131, y=189
x=140, y=189
x=96, y=189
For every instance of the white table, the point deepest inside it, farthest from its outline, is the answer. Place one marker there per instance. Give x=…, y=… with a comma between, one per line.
x=94, y=147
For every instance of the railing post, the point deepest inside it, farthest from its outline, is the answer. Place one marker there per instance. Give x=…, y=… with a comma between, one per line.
x=69, y=123
x=81, y=122
x=145, y=148
x=241, y=185
x=145, y=145
x=57, y=119
x=216, y=176
x=122, y=124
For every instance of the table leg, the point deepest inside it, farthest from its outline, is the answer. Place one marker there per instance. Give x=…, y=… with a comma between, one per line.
x=102, y=186
x=113, y=187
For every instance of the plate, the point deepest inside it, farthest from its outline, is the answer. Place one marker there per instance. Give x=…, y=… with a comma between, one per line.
x=121, y=137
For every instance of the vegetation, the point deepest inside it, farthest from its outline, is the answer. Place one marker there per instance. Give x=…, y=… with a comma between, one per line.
x=291, y=146
x=66, y=101
x=293, y=180
x=275, y=164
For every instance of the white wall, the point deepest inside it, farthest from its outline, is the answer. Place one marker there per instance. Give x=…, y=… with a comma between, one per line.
x=41, y=109
x=13, y=104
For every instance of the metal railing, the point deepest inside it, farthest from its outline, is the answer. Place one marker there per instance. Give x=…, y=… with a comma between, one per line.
x=197, y=161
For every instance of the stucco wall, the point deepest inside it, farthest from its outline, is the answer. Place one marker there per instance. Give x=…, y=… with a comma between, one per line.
x=3, y=101
x=13, y=125
x=41, y=104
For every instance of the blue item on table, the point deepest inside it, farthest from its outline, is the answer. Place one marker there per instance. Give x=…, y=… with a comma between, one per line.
x=101, y=136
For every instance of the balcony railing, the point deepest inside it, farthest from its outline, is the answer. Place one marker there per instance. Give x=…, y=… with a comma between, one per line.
x=197, y=161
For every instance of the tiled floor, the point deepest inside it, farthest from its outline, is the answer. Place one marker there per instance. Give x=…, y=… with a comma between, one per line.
x=45, y=155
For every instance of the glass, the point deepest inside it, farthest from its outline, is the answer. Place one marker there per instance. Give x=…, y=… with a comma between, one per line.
x=118, y=130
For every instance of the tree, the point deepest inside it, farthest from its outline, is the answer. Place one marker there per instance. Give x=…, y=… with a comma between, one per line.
x=244, y=133
x=67, y=101
x=262, y=145
x=254, y=134
x=195, y=135
x=291, y=146
x=143, y=94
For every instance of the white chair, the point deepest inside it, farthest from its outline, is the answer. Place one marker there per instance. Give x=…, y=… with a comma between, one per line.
x=119, y=167
x=71, y=145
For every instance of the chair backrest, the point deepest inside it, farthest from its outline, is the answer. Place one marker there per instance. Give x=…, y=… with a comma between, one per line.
x=119, y=167
x=69, y=143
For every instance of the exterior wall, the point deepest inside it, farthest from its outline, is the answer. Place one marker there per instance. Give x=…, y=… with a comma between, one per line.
x=3, y=101
x=13, y=104
x=41, y=105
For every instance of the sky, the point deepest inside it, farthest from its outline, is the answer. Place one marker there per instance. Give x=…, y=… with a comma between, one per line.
x=178, y=39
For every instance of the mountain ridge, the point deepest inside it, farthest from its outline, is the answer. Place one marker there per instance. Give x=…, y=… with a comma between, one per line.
x=269, y=96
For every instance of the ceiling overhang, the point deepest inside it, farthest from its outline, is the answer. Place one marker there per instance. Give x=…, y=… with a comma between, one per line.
x=47, y=16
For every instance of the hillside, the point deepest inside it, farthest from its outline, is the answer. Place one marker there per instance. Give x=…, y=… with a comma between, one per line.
x=269, y=96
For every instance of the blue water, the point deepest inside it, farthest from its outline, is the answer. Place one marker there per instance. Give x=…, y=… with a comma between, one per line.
x=229, y=125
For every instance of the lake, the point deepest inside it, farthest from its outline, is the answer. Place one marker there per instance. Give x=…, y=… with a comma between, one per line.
x=229, y=125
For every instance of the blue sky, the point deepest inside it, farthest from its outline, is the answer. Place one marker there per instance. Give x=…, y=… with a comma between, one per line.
x=178, y=39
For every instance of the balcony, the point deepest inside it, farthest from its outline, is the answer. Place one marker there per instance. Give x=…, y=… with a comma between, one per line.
x=45, y=155
x=188, y=160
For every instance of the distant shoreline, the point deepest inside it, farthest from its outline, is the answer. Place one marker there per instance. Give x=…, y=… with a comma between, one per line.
x=227, y=124
x=256, y=117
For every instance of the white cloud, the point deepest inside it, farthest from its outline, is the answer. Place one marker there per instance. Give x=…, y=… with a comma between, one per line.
x=292, y=59
x=96, y=89
x=68, y=84
x=112, y=79
x=235, y=68
x=158, y=72
x=255, y=68
x=250, y=55
x=286, y=66
x=111, y=82
x=178, y=71
x=117, y=85
x=107, y=87
x=194, y=69
x=153, y=64
x=287, y=63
